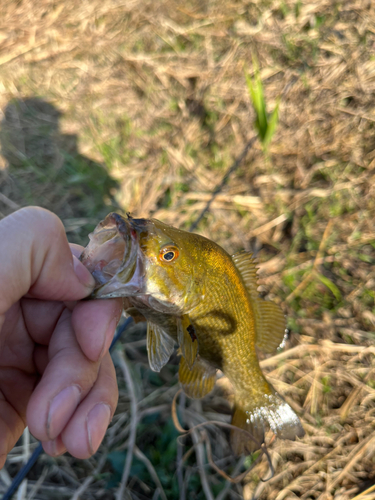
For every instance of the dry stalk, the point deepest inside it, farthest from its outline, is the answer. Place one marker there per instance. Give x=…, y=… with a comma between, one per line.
x=311, y=275
x=204, y=438
x=86, y=483
x=199, y=452
x=142, y=457
x=354, y=458
x=122, y=362
x=363, y=495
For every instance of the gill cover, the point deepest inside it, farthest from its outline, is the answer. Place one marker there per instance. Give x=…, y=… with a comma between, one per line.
x=113, y=258
x=145, y=259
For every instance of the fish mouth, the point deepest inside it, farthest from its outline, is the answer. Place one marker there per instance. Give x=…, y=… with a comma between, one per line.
x=114, y=258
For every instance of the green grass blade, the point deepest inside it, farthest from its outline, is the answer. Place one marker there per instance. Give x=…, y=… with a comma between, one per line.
x=264, y=124
x=330, y=285
x=272, y=124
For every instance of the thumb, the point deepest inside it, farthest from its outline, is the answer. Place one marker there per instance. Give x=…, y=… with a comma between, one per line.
x=36, y=260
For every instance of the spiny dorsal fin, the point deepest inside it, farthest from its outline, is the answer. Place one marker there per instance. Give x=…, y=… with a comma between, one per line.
x=187, y=338
x=160, y=346
x=198, y=381
x=269, y=318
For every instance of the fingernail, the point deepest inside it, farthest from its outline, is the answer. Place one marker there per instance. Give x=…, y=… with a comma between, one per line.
x=97, y=422
x=50, y=447
x=60, y=410
x=83, y=274
x=55, y=447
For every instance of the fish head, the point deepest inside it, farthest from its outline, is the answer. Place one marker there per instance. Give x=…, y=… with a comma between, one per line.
x=148, y=260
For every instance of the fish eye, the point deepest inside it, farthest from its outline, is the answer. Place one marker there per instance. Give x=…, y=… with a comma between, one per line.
x=168, y=253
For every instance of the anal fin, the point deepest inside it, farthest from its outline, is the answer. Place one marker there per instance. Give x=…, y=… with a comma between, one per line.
x=241, y=443
x=160, y=346
x=270, y=325
x=187, y=338
x=198, y=381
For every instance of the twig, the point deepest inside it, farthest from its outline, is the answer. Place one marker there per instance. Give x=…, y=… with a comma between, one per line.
x=5, y=477
x=180, y=450
x=358, y=115
x=262, y=446
x=123, y=364
x=232, y=480
x=353, y=458
x=311, y=275
x=11, y=204
x=22, y=473
x=38, y=484
x=237, y=162
x=199, y=452
x=309, y=348
x=151, y=470
x=364, y=493
x=211, y=422
x=90, y=479
x=21, y=494
x=268, y=225
x=290, y=353
x=304, y=283
x=223, y=493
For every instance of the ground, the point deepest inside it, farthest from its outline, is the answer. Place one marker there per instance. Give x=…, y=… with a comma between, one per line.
x=141, y=107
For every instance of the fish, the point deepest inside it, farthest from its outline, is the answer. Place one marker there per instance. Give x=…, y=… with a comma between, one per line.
x=191, y=291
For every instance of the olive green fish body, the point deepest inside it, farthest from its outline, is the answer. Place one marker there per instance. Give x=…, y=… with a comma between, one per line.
x=191, y=291
x=224, y=321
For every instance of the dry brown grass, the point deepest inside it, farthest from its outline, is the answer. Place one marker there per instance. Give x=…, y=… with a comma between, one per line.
x=156, y=91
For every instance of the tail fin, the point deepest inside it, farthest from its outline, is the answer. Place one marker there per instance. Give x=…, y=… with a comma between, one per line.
x=271, y=409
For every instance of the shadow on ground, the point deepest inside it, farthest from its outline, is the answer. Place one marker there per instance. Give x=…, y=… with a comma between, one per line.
x=41, y=166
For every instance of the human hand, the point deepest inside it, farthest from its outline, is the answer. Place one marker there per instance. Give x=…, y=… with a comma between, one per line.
x=56, y=374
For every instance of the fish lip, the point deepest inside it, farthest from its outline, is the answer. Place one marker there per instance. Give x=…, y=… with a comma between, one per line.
x=129, y=277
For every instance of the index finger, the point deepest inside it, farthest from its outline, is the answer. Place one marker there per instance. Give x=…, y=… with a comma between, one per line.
x=36, y=259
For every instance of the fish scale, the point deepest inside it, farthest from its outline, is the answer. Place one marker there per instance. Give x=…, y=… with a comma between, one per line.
x=239, y=361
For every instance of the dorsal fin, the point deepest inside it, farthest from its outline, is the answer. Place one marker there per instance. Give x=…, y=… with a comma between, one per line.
x=271, y=327
x=160, y=346
x=246, y=264
x=269, y=318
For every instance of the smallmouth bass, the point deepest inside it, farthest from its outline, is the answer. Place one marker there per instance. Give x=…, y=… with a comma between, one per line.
x=190, y=290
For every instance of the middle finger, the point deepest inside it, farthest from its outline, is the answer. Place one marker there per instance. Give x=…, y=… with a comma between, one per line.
x=67, y=379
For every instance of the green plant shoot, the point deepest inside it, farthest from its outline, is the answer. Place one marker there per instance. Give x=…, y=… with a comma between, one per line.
x=265, y=123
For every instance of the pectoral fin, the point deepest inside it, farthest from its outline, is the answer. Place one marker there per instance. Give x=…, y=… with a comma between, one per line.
x=160, y=346
x=270, y=326
x=187, y=338
x=198, y=381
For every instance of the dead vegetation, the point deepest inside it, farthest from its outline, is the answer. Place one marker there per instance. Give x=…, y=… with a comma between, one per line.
x=142, y=106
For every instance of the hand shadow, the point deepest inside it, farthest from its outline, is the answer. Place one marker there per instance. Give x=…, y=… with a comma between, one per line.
x=41, y=166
